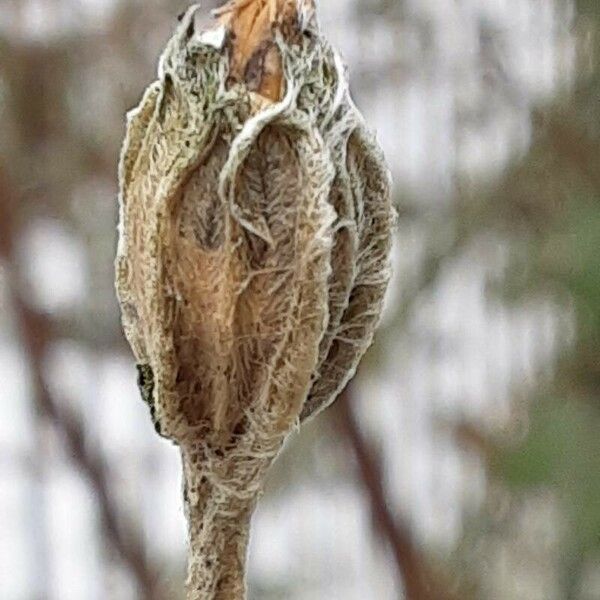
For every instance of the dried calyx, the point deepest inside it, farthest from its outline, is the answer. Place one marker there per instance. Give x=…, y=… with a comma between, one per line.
x=253, y=254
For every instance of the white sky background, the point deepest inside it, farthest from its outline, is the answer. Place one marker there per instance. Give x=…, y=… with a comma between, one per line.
x=436, y=121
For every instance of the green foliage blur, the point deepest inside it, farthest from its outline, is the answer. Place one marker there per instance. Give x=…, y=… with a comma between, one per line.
x=554, y=197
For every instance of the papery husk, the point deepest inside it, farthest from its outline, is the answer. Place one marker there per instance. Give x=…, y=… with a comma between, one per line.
x=254, y=240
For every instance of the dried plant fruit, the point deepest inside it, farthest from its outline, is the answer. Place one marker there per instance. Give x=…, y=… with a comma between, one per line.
x=254, y=242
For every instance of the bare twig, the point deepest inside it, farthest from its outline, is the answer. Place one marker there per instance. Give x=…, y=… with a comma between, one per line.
x=34, y=331
x=574, y=146
x=417, y=579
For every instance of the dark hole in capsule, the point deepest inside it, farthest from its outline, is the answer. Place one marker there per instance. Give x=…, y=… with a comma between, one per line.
x=190, y=30
x=180, y=16
x=239, y=429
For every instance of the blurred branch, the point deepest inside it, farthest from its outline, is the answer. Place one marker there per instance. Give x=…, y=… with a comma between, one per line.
x=575, y=146
x=440, y=251
x=416, y=576
x=473, y=439
x=35, y=336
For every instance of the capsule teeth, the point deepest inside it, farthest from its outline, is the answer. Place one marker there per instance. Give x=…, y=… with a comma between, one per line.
x=306, y=14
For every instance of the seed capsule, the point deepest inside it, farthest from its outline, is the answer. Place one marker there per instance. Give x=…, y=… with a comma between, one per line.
x=255, y=225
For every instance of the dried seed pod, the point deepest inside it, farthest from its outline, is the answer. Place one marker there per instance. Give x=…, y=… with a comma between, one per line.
x=254, y=237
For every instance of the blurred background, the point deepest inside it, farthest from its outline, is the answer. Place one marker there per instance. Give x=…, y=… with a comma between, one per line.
x=463, y=462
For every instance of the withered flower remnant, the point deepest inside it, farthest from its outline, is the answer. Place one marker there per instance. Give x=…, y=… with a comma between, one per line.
x=253, y=256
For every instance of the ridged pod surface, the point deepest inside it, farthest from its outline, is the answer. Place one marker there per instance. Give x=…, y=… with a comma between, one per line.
x=253, y=256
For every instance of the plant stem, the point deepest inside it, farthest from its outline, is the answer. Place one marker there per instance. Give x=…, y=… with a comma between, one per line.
x=218, y=519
